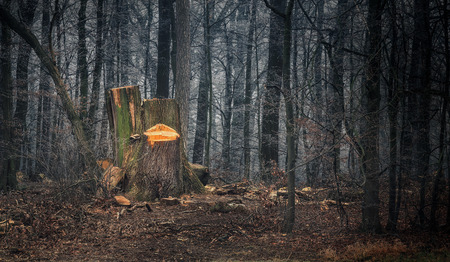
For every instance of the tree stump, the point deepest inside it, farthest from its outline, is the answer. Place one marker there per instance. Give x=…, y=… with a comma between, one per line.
x=153, y=168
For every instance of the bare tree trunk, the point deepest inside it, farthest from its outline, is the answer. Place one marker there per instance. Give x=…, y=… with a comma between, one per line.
x=182, y=85
x=44, y=99
x=336, y=108
x=208, y=81
x=27, y=16
x=173, y=52
x=228, y=100
x=271, y=101
x=201, y=134
x=290, y=123
x=82, y=61
x=248, y=91
x=288, y=100
x=202, y=114
x=95, y=96
x=147, y=88
x=393, y=101
x=124, y=53
x=318, y=95
x=443, y=122
x=419, y=104
x=163, y=69
x=8, y=149
x=237, y=120
x=370, y=126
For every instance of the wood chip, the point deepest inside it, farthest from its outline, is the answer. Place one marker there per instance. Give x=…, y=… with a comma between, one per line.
x=170, y=201
x=122, y=201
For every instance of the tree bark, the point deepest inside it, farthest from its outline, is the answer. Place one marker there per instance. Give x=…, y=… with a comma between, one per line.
x=124, y=48
x=336, y=108
x=82, y=61
x=97, y=73
x=228, y=100
x=271, y=101
x=182, y=85
x=152, y=170
x=202, y=114
x=248, y=90
x=208, y=38
x=43, y=141
x=173, y=51
x=312, y=176
x=201, y=137
x=393, y=101
x=163, y=68
x=419, y=85
x=7, y=159
x=370, y=126
x=443, y=129
x=290, y=123
x=123, y=105
x=27, y=17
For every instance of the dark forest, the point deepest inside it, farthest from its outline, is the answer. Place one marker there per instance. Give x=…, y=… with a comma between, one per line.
x=221, y=130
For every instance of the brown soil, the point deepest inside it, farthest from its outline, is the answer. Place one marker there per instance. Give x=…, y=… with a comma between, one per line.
x=46, y=222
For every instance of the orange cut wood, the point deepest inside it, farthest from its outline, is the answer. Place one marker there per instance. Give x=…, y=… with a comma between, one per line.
x=105, y=163
x=121, y=200
x=161, y=132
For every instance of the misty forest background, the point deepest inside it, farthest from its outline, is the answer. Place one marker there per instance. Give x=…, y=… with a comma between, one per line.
x=335, y=93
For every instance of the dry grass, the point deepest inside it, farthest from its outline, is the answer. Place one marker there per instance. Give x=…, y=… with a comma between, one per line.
x=370, y=251
x=329, y=254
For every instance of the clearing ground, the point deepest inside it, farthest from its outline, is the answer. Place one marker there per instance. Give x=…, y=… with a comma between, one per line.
x=233, y=222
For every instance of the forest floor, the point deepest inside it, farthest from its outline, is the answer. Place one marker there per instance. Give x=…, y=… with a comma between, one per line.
x=235, y=222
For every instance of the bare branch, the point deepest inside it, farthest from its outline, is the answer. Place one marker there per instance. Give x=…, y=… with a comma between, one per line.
x=271, y=7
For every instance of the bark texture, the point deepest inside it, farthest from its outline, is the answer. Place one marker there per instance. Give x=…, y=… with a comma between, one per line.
x=371, y=124
x=151, y=170
x=271, y=104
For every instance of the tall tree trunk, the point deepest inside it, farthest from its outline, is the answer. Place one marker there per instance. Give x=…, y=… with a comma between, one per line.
x=202, y=100
x=147, y=88
x=290, y=123
x=393, y=101
x=173, y=53
x=317, y=97
x=209, y=82
x=7, y=153
x=44, y=101
x=419, y=99
x=228, y=100
x=97, y=74
x=336, y=109
x=124, y=41
x=237, y=121
x=370, y=126
x=23, y=58
x=248, y=91
x=443, y=122
x=289, y=105
x=163, y=69
x=271, y=101
x=318, y=94
x=82, y=64
x=202, y=114
x=182, y=85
